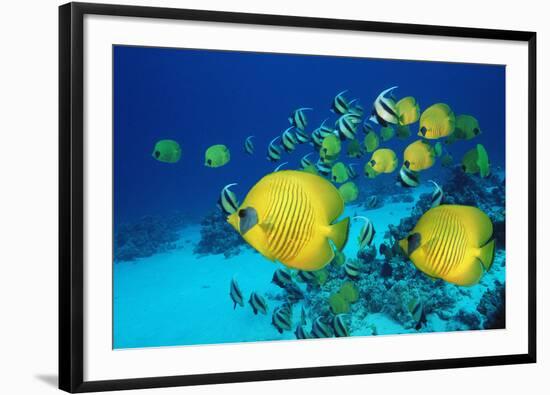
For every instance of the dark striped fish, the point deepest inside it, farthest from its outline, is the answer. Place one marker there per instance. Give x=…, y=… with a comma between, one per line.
x=307, y=277
x=367, y=127
x=351, y=269
x=248, y=145
x=408, y=178
x=305, y=162
x=339, y=326
x=298, y=118
x=303, y=317
x=280, y=166
x=384, y=111
x=236, y=294
x=320, y=330
x=274, y=151
x=227, y=202
x=316, y=138
x=289, y=140
x=323, y=168
x=281, y=319
x=301, y=333
x=301, y=136
x=437, y=195
x=351, y=172
x=346, y=127
x=340, y=104
x=416, y=308
x=372, y=202
x=293, y=293
x=366, y=235
x=324, y=130
x=281, y=278
x=258, y=303
x=355, y=109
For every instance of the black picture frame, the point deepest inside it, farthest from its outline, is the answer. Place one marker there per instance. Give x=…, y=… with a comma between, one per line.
x=71, y=195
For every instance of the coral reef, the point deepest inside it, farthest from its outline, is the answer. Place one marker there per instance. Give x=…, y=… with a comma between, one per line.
x=218, y=237
x=147, y=236
x=492, y=306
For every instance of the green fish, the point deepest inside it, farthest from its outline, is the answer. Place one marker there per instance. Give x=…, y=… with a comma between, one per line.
x=349, y=191
x=167, y=151
x=371, y=141
x=339, y=173
x=403, y=132
x=216, y=156
x=387, y=133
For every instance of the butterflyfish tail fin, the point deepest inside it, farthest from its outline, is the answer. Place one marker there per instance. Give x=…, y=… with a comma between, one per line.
x=339, y=233
x=487, y=254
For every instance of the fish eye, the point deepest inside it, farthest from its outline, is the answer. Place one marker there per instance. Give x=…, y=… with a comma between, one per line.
x=209, y=161
x=407, y=164
x=372, y=162
x=476, y=131
x=157, y=154
x=423, y=130
x=242, y=213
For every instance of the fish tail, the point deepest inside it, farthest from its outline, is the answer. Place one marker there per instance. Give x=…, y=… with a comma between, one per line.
x=339, y=233
x=487, y=254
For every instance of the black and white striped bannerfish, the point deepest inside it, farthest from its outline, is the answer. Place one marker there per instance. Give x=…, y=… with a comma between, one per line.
x=367, y=127
x=307, y=277
x=274, y=150
x=366, y=235
x=384, y=111
x=437, y=195
x=289, y=140
x=346, y=126
x=339, y=326
x=281, y=278
x=316, y=139
x=280, y=166
x=258, y=303
x=303, y=316
x=282, y=319
x=355, y=109
x=301, y=136
x=248, y=145
x=236, y=294
x=302, y=333
x=227, y=202
x=324, y=130
x=352, y=174
x=351, y=269
x=323, y=168
x=298, y=118
x=408, y=178
x=293, y=293
x=305, y=162
x=340, y=104
x=320, y=330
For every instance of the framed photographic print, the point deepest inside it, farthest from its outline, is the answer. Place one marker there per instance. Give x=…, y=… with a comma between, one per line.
x=238, y=188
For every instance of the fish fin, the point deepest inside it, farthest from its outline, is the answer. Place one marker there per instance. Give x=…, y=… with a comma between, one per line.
x=487, y=254
x=473, y=270
x=339, y=233
x=234, y=305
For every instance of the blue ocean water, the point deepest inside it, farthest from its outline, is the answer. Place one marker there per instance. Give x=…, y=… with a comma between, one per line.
x=168, y=291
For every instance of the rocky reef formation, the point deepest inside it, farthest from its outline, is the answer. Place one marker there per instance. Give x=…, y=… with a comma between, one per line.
x=147, y=236
x=218, y=237
x=492, y=306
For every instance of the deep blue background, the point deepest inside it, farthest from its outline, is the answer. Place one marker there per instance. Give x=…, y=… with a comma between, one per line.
x=200, y=98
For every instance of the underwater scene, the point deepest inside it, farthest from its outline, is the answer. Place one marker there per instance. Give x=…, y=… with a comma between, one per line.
x=262, y=197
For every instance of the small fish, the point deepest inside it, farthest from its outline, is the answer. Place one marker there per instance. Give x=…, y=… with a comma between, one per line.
x=280, y=166
x=303, y=317
x=248, y=145
x=383, y=160
x=339, y=326
x=367, y=127
x=323, y=168
x=324, y=130
x=408, y=178
x=384, y=111
x=339, y=173
x=349, y=191
x=346, y=127
x=305, y=162
x=372, y=202
x=438, y=149
x=352, y=174
x=372, y=141
x=408, y=110
x=307, y=277
x=316, y=139
x=366, y=235
x=355, y=109
x=298, y=118
x=274, y=150
x=258, y=303
x=216, y=156
x=330, y=148
x=466, y=128
x=301, y=136
x=227, y=201
x=340, y=105
x=167, y=151
x=236, y=294
x=354, y=149
x=301, y=333
x=403, y=132
x=281, y=278
x=387, y=133
x=419, y=155
x=294, y=293
x=351, y=269
x=476, y=160
x=437, y=195
x=437, y=121
x=281, y=319
x=416, y=308
x=320, y=330
x=289, y=140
